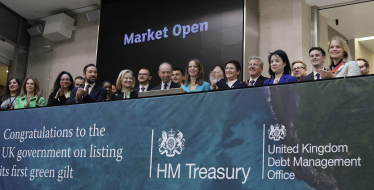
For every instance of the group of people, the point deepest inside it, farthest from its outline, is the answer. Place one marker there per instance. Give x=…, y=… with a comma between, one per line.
x=85, y=90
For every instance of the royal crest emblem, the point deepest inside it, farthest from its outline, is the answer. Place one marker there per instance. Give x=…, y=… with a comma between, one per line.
x=276, y=133
x=170, y=144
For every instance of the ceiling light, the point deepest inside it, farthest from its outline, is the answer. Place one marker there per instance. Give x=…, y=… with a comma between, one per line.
x=6, y=70
x=365, y=38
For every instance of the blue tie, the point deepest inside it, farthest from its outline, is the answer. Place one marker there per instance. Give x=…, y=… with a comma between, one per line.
x=318, y=76
x=252, y=81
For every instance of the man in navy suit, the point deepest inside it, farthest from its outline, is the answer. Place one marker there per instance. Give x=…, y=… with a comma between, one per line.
x=144, y=77
x=90, y=92
x=317, y=57
x=165, y=71
x=255, y=67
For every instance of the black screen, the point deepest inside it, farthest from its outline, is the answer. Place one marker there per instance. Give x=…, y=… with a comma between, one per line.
x=133, y=35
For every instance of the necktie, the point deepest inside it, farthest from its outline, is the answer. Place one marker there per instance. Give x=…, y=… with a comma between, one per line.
x=318, y=76
x=88, y=87
x=252, y=81
x=165, y=86
x=143, y=89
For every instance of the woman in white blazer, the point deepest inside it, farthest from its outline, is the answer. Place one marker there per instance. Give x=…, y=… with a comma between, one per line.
x=340, y=61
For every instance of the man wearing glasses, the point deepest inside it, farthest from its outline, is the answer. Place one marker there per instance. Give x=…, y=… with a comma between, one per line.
x=364, y=66
x=298, y=70
x=144, y=77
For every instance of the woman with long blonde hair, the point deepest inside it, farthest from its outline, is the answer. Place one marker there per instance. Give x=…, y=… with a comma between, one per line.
x=340, y=61
x=125, y=86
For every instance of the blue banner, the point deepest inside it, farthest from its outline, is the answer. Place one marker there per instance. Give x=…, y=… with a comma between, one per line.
x=313, y=135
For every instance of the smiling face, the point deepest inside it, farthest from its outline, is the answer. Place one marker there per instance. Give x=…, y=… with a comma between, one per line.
x=277, y=64
x=177, y=77
x=127, y=81
x=193, y=70
x=65, y=81
x=316, y=58
x=218, y=70
x=30, y=85
x=108, y=87
x=165, y=73
x=143, y=76
x=298, y=70
x=231, y=72
x=254, y=68
x=90, y=75
x=335, y=50
x=13, y=86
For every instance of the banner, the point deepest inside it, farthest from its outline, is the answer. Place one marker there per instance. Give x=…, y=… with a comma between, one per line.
x=312, y=135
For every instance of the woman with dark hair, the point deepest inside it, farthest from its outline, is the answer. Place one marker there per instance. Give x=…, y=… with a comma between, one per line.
x=61, y=89
x=108, y=87
x=232, y=70
x=279, y=68
x=194, y=79
x=217, y=71
x=30, y=95
x=10, y=93
x=125, y=86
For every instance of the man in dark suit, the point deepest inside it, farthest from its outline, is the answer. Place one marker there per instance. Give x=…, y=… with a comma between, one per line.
x=165, y=71
x=317, y=57
x=144, y=77
x=90, y=92
x=255, y=67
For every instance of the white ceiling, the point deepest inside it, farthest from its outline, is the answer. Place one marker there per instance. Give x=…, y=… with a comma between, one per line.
x=321, y=3
x=35, y=9
x=355, y=21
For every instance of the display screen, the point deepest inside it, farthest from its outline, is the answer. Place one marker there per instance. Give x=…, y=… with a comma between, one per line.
x=143, y=34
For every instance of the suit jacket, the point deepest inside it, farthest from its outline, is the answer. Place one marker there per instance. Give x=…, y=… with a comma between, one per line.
x=172, y=85
x=98, y=94
x=119, y=95
x=136, y=89
x=260, y=81
x=309, y=77
x=348, y=69
x=222, y=84
x=284, y=79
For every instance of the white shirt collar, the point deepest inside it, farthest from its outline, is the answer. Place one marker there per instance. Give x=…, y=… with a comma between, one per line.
x=145, y=88
x=163, y=84
x=249, y=80
x=231, y=83
x=91, y=86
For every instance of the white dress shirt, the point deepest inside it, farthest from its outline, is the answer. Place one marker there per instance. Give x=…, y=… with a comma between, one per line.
x=163, y=84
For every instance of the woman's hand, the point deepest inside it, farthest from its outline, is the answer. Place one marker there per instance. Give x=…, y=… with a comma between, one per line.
x=213, y=78
x=58, y=93
x=38, y=96
x=27, y=99
x=326, y=74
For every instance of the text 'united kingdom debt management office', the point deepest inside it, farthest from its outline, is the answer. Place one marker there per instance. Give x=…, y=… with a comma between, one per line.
x=277, y=133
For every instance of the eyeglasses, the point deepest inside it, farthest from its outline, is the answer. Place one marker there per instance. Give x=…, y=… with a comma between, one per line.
x=143, y=74
x=362, y=66
x=230, y=69
x=297, y=68
x=65, y=80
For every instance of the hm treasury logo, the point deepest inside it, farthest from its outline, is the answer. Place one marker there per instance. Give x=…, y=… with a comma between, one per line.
x=278, y=132
x=170, y=144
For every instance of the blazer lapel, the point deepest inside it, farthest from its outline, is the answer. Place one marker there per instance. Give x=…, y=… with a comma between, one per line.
x=282, y=79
